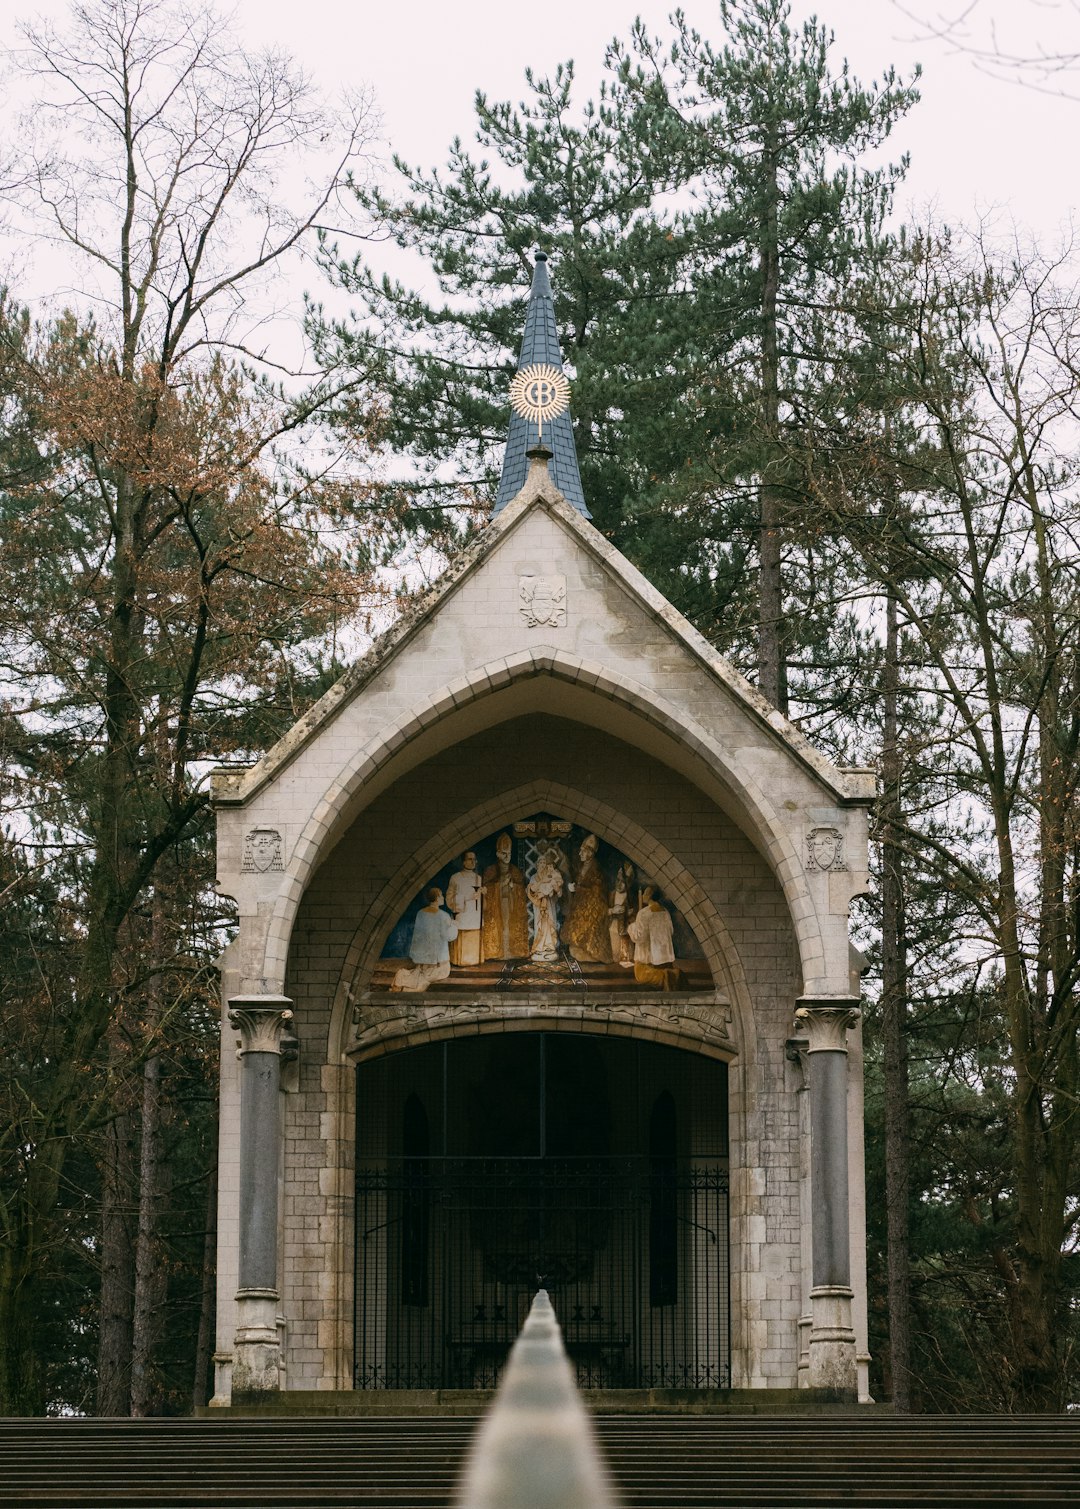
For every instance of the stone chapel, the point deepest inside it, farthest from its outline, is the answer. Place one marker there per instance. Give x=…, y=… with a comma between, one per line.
x=542, y=978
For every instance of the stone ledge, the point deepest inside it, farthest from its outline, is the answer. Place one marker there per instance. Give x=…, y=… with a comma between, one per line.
x=312, y=1402
x=400, y=1003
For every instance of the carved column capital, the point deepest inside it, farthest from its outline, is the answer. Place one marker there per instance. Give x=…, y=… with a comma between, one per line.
x=825, y=1023
x=264, y=1024
x=795, y=1051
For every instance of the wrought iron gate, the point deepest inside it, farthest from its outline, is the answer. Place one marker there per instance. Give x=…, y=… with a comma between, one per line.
x=634, y=1251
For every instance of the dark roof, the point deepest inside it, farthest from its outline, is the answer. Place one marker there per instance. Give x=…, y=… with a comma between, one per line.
x=540, y=344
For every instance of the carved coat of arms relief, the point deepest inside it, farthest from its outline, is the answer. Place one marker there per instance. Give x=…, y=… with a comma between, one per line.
x=825, y=849
x=264, y=850
x=542, y=601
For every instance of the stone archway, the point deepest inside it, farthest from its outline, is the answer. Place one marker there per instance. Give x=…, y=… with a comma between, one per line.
x=722, y=1028
x=733, y=1007
x=487, y=1162
x=372, y=768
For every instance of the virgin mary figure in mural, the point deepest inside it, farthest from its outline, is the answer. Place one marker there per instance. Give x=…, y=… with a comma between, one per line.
x=585, y=931
x=506, y=921
x=543, y=891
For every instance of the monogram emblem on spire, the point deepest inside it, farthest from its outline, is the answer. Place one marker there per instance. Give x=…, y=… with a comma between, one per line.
x=539, y=392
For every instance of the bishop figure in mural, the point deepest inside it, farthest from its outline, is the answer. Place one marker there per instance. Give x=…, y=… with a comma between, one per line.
x=585, y=931
x=505, y=912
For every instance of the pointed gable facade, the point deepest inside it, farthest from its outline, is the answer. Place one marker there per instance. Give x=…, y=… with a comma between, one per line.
x=542, y=970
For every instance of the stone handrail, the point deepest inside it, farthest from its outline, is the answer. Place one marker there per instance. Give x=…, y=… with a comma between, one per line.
x=535, y=1448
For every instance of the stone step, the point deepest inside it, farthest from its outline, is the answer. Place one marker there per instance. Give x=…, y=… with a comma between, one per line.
x=658, y=1462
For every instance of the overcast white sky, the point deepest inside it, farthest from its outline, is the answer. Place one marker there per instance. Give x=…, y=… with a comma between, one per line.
x=977, y=142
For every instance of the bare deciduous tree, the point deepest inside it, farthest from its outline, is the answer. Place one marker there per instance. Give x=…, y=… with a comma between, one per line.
x=982, y=560
x=1033, y=49
x=175, y=533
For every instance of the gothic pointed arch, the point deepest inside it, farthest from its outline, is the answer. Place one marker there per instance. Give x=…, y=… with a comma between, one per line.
x=483, y=697
x=690, y=1026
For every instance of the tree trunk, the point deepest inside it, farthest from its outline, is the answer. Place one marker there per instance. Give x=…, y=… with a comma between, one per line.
x=199, y=1393
x=1054, y=988
x=117, y=1267
x=150, y=1268
x=151, y=1272
x=1034, y=1314
x=894, y=1031
x=772, y=667
x=21, y=1386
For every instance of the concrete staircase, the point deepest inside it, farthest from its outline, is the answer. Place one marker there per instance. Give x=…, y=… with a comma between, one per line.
x=659, y=1462
x=869, y=1459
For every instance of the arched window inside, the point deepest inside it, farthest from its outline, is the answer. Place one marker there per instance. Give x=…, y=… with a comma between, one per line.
x=663, y=1203
x=416, y=1203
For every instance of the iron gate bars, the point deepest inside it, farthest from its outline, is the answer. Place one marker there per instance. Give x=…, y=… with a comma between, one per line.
x=634, y=1251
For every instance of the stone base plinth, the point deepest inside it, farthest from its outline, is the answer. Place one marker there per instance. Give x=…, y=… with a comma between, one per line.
x=832, y=1363
x=256, y=1370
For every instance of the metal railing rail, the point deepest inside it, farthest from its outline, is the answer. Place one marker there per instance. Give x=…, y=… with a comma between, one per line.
x=535, y=1448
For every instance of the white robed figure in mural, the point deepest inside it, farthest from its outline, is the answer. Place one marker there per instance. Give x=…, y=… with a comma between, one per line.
x=544, y=890
x=429, y=950
x=463, y=896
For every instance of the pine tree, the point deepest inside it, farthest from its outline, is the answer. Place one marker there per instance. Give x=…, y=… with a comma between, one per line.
x=787, y=217
x=703, y=218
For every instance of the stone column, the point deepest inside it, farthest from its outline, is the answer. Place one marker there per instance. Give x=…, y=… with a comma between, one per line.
x=796, y=1054
x=265, y=1027
x=825, y=1023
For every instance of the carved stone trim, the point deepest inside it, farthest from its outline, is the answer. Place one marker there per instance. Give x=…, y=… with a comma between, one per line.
x=825, y=1024
x=264, y=1025
x=795, y=1051
x=706, y=1026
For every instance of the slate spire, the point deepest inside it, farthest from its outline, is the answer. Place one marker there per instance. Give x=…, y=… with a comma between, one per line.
x=540, y=345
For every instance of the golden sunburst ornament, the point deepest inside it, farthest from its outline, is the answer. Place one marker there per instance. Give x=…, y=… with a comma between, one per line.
x=540, y=392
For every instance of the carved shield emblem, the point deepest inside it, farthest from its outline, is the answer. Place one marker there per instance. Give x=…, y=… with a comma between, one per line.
x=543, y=600
x=825, y=849
x=263, y=851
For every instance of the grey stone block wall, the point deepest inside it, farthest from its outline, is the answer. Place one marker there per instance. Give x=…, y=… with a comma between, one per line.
x=766, y=1224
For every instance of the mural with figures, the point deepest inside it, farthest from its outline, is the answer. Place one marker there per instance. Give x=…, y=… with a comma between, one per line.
x=541, y=904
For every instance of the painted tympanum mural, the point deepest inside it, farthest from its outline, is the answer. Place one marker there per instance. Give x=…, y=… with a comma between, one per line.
x=541, y=904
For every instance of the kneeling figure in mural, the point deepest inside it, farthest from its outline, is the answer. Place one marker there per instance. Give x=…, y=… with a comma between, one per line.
x=433, y=932
x=654, y=944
